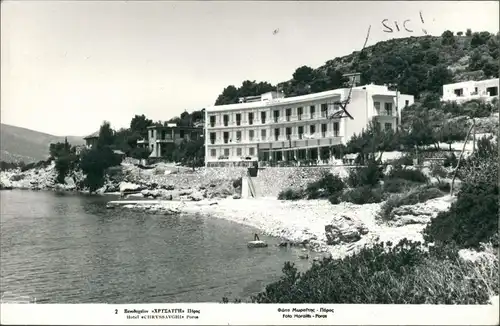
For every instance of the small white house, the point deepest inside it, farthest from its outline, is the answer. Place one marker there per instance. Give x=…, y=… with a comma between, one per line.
x=471, y=90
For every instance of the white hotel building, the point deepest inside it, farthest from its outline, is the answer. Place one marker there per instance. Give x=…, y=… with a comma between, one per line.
x=272, y=127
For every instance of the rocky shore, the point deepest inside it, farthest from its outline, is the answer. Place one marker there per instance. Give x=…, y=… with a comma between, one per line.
x=316, y=224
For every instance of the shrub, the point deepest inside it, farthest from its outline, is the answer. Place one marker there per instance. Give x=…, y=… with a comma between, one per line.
x=396, y=185
x=450, y=160
x=365, y=176
x=363, y=195
x=291, y=194
x=472, y=219
x=444, y=186
x=419, y=195
x=328, y=185
x=237, y=182
x=406, y=159
x=407, y=174
x=335, y=198
x=402, y=274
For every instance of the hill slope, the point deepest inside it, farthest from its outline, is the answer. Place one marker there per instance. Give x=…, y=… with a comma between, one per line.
x=417, y=64
x=21, y=144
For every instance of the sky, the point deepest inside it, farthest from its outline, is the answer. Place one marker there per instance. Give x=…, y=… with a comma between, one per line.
x=66, y=66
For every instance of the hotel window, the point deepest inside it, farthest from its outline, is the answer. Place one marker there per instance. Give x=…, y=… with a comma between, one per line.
x=250, y=118
x=276, y=115
x=276, y=133
x=213, y=152
x=226, y=120
x=377, y=106
x=336, y=107
x=238, y=136
x=323, y=130
x=213, y=136
x=212, y=121
x=288, y=114
x=312, y=129
x=226, y=137
x=251, y=151
x=336, y=129
x=299, y=113
x=301, y=132
x=288, y=133
x=151, y=134
x=226, y=151
x=324, y=110
x=238, y=152
x=407, y=103
x=459, y=92
x=263, y=134
x=493, y=91
x=263, y=117
x=312, y=110
x=388, y=126
x=181, y=134
x=388, y=109
x=238, y=119
x=251, y=135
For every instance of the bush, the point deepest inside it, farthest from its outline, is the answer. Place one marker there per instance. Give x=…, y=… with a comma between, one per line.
x=450, y=160
x=472, y=219
x=419, y=195
x=334, y=199
x=237, y=182
x=365, y=176
x=363, y=195
x=396, y=185
x=398, y=172
x=444, y=186
x=328, y=185
x=406, y=159
x=402, y=274
x=291, y=194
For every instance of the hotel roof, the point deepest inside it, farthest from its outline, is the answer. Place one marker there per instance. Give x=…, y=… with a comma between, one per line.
x=375, y=89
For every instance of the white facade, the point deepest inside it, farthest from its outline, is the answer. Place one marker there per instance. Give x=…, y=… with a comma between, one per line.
x=295, y=128
x=470, y=90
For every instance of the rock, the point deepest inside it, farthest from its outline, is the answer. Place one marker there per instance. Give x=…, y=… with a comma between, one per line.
x=5, y=185
x=236, y=196
x=196, y=196
x=127, y=186
x=16, y=177
x=283, y=244
x=169, y=187
x=185, y=192
x=344, y=230
x=256, y=244
x=304, y=256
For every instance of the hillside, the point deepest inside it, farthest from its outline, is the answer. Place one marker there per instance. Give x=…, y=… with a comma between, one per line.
x=416, y=64
x=21, y=144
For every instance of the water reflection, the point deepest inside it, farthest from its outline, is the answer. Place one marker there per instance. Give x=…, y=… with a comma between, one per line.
x=63, y=248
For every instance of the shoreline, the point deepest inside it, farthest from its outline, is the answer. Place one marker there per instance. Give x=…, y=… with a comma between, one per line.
x=302, y=222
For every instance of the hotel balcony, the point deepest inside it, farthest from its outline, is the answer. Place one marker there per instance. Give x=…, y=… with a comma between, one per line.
x=165, y=140
x=142, y=141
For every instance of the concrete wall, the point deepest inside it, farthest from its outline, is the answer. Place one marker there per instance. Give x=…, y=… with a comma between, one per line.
x=271, y=181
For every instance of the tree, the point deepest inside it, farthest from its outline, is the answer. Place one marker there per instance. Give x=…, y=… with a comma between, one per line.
x=140, y=124
x=303, y=74
x=106, y=135
x=453, y=132
x=437, y=77
x=460, y=33
x=95, y=162
x=447, y=38
x=468, y=32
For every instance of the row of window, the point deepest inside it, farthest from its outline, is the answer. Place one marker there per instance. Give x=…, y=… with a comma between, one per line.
x=164, y=134
x=226, y=152
x=276, y=115
x=277, y=133
x=492, y=91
